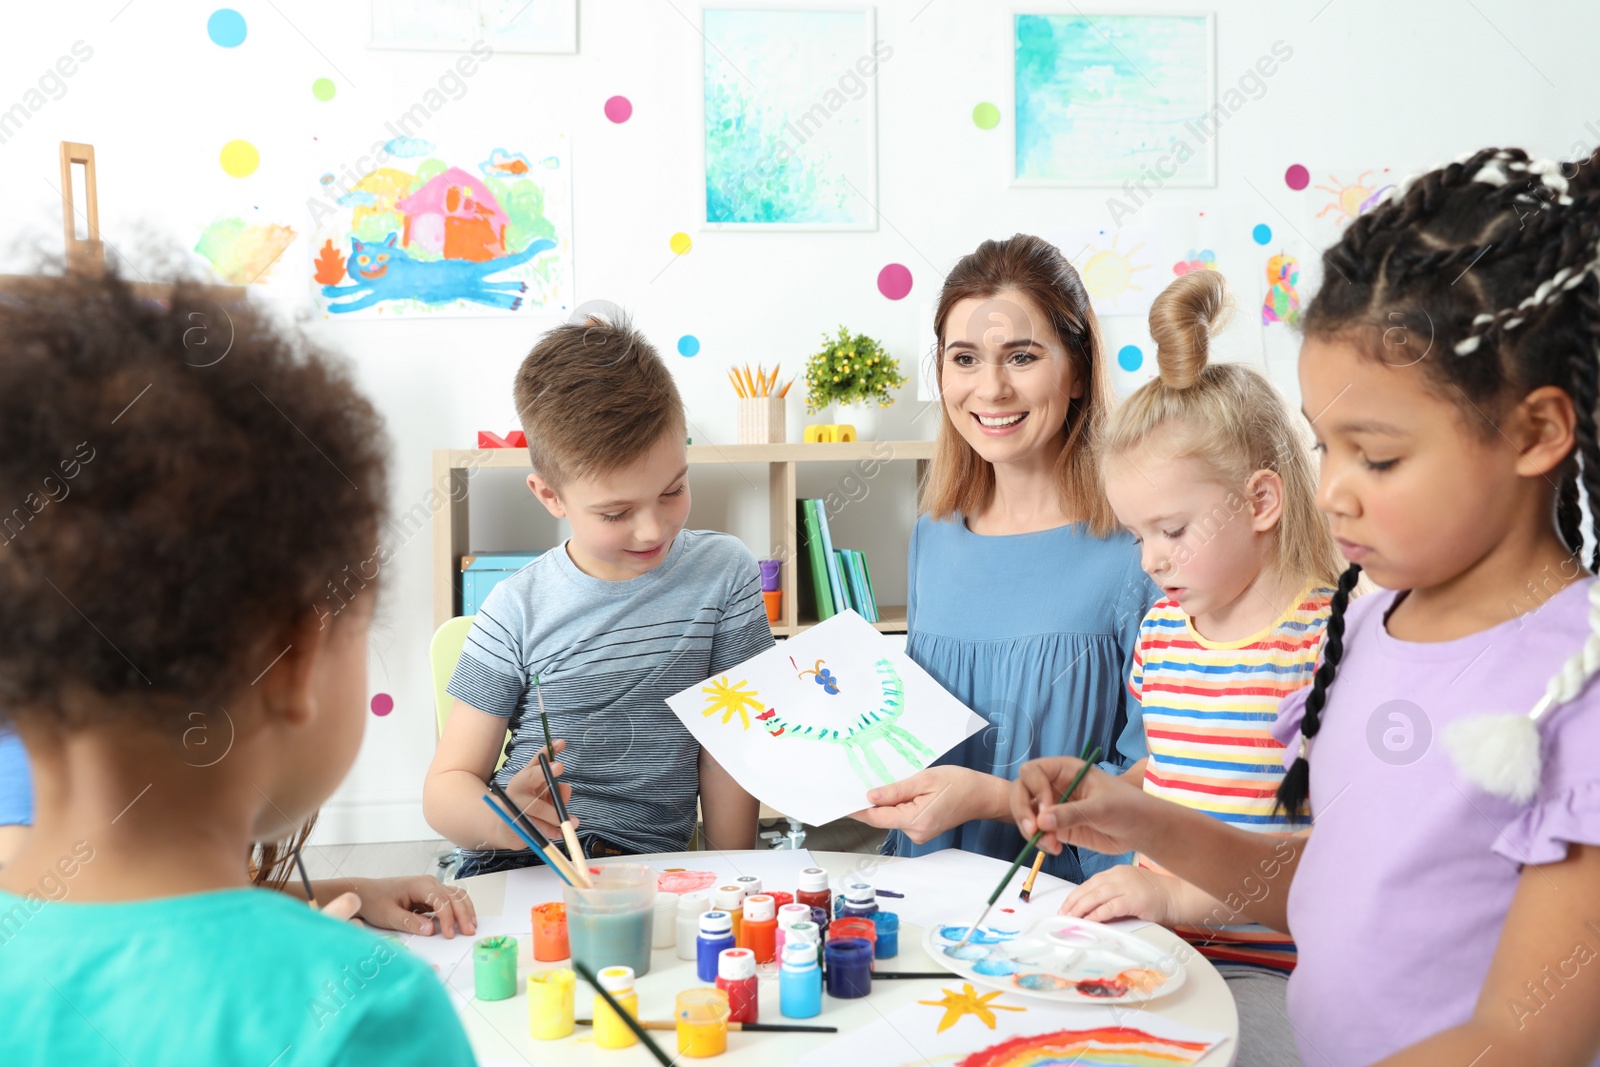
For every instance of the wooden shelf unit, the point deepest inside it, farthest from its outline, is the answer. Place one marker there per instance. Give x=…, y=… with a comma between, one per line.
x=451, y=540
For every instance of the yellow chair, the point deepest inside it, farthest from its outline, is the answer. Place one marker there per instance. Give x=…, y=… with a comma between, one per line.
x=444, y=652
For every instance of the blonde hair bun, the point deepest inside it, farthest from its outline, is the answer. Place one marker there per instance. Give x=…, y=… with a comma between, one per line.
x=1182, y=319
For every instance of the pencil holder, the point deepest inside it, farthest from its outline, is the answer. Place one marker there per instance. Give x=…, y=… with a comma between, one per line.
x=761, y=420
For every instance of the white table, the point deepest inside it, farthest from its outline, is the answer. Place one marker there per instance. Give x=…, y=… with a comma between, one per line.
x=499, y=1029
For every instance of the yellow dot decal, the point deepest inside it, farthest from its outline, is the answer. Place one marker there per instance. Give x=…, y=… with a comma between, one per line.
x=240, y=158
x=680, y=243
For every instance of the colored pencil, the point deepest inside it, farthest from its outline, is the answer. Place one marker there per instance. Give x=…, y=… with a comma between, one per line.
x=563, y=871
x=1027, y=886
x=770, y=1028
x=785, y=390
x=305, y=878
x=632, y=1023
x=1088, y=757
x=574, y=846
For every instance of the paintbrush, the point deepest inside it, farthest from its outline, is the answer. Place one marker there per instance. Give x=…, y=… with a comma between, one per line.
x=552, y=859
x=1027, y=886
x=305, y=878
x=574, y=846
x=632, y=1023
x=878, y=975
x=770, y=1028
x=547, y=851
x=538, y=691
x=1088, y=757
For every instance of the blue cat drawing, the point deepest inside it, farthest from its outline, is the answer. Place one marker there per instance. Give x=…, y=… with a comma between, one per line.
x=383, y=271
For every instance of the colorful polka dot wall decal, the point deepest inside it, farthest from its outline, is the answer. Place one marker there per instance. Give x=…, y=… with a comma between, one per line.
x=226, y=28
x=680, y=243
x=1130, y=357
x=986, y=116
x=688, y=345
x=894, y=281
x=382, y=704
x=1261, y=234
x=1297, y=177
x=619, y=109
x=323, y=89
x=240, y=158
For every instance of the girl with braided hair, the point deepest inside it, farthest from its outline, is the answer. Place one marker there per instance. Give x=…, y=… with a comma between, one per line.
x=1446, y=900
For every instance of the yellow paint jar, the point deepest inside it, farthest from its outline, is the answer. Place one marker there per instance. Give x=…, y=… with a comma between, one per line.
x=609, y=1029
x=702, y=1022
x=551, y=995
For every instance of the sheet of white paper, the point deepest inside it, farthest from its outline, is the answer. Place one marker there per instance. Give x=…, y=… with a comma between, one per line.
x=1034, y=1032
x=777, y=869
x=808, y=727
x=952, y=885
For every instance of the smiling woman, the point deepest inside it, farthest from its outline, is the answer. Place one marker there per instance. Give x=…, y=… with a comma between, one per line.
x=1024, y=596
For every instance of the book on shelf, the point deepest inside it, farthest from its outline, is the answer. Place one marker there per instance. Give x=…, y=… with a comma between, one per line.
x=841, y=595
x=854, y=567
x=816, y=591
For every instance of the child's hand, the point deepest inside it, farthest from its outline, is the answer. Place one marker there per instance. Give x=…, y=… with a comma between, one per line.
x=932, y=801
x=1104, y=814
x=529, y=791
x=1124, y=891
x=405, y=904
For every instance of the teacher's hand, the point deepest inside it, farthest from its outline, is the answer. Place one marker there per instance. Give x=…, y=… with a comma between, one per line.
x=930, y=802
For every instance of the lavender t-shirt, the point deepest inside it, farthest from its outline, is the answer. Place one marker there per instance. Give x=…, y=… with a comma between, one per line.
x=1408, y=876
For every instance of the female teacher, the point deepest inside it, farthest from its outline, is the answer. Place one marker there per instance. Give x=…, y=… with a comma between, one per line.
x=1024, y=598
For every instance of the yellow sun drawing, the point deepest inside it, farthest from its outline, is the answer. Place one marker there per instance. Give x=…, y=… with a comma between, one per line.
x=730, y=700
x=1109, y=271
x=967, y=1002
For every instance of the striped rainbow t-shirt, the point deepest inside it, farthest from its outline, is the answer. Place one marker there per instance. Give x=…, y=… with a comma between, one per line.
x=1208, y=711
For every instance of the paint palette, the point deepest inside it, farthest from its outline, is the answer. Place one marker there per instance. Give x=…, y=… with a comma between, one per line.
x=1062, y=959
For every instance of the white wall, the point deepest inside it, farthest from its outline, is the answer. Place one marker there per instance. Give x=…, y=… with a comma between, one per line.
x=1370, y=84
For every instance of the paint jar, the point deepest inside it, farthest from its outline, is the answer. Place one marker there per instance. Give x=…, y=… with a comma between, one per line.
x=716, y=935
x=609, y=1029
x=849, y=968
x=736, y=976
x=550, y=932
x=862, y=929
x=761, y=927
x=788, y=915
x=664, y=925
x=780, y=898
x=750, y=884
x=690, y=907
x=494, y=968
x=702, y=1022
x=820, y=917
x=859, y=901
x=551, y=995
x=887, y=946
x=730, y=898
x=800, y=982
x=610, y=925
x=814, y=889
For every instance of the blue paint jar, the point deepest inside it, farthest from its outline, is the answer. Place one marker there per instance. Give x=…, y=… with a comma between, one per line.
x=849, y=968
x=820, y=917
x=800, y=982
x=860, y=901
x=887, y=946
x=716, y=934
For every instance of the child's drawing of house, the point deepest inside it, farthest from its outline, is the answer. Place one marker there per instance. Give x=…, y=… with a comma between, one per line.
x=456, y=217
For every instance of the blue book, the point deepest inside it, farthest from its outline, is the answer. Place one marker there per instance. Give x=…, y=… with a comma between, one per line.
x=857, y=584
x=867, y=595
x=835, y=580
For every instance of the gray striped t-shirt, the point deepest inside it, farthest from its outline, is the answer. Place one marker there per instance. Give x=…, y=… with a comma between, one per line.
x=608, y=654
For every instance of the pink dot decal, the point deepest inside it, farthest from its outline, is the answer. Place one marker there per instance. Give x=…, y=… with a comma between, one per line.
x=894, y=281
x=1297, y=177
x=382, y=704
x=619, y=109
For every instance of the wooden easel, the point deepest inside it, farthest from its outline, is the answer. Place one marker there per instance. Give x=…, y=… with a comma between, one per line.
x=87, y=256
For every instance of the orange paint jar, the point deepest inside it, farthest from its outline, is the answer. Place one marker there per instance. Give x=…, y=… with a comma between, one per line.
x=550, y=932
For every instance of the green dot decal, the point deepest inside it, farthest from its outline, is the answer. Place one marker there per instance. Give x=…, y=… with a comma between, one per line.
x=323, y=89
x=986, y=116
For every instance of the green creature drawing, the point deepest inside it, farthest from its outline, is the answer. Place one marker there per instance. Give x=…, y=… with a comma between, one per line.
x=879, y=724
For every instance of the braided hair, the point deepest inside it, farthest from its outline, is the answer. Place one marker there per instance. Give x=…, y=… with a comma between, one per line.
x=1496, y=257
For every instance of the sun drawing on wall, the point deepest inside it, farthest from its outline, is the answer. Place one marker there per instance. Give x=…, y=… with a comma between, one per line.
x=1354, y=200
x=875, y=724
x=1109, y=272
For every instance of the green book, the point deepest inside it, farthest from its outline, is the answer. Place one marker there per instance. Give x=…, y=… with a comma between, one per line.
x=813, y=559
x=866, y=578
x=851, y=590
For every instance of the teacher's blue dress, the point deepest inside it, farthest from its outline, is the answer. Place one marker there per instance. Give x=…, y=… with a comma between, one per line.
x=1036, y=633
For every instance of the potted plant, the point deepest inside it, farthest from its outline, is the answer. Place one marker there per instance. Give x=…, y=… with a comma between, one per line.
x=856, y=374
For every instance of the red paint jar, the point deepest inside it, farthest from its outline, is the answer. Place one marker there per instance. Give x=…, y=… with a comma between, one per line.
x=736, y=976
x=814, y=891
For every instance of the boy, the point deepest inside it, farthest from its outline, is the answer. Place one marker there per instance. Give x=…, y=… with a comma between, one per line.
x=631, y=609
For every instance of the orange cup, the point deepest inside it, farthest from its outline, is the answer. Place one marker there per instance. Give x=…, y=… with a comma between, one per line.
x=774, y=605
x=550, y=932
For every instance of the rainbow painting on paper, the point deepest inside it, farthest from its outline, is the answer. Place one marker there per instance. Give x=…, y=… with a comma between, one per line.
x=1105, y=1046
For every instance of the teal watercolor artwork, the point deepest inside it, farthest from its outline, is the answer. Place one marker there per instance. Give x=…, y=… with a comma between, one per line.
x=810, y=726
x=1107, y=99
x=789, y=102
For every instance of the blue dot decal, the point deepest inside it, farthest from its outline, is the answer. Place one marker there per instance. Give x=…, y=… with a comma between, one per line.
x=226, y=27
x=688, y=345
x=1130, y=357
x=1262, y=233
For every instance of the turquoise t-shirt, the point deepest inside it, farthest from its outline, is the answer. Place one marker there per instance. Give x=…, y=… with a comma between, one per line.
x=240, y=976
